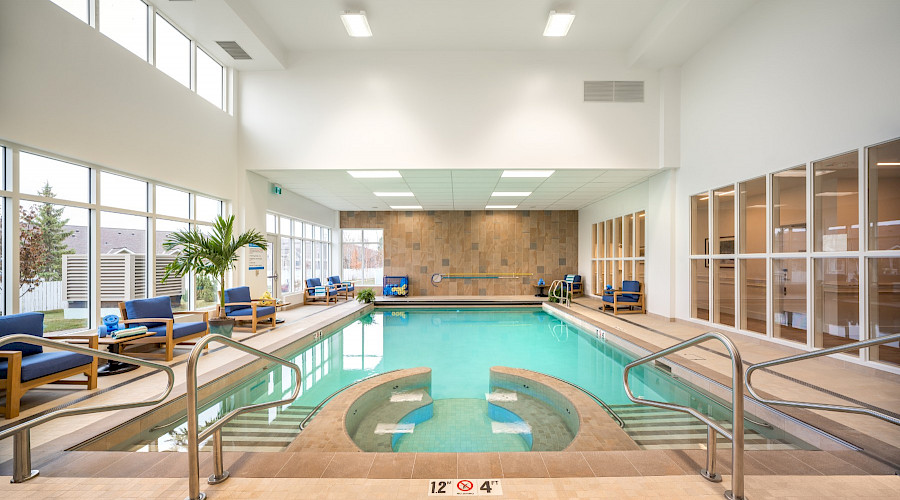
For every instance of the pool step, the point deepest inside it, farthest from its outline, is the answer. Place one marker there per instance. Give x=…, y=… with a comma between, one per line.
x=658, y=428
x=254, y=432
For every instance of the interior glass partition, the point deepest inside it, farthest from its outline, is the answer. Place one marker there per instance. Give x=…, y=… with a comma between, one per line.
x=753, y=295
x=752, y=208
x=789, y=320
x=836, y=291
x=884, y=196
x=836, y=203
x=884, y=307
x=789, y=210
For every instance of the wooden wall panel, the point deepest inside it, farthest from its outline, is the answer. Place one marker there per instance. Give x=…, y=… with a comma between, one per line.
x=421, y=243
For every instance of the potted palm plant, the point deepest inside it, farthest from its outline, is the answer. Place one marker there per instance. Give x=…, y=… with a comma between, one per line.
x=211, y=255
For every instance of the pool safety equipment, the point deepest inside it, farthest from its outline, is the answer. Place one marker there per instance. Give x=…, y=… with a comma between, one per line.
x=438, y=277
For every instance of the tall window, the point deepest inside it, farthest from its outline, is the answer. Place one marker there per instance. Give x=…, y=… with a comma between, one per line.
x=619, y=251
x=298, y=251
x=210, y=78
x=362, y=255
x=173, y=52
x=78, y=8
x=126, y=22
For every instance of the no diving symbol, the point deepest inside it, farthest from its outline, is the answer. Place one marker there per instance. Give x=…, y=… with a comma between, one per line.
x=465, y=485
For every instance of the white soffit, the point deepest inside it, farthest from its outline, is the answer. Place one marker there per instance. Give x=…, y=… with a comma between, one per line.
x=458, y=189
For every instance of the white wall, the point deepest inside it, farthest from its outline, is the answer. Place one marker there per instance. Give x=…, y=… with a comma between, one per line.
x=67, y=89
x=445, y=110
x=790, y=81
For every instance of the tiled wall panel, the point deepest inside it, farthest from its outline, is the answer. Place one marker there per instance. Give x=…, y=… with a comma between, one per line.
x=421, y=243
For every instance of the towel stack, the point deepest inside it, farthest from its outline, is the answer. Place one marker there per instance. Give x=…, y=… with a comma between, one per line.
x=129, y=332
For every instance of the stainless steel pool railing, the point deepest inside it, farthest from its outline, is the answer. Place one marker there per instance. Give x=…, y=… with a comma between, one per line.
x=815, y=354
x=215, y=429
x=736, y=436
x=563, y=290
x=22, y=432
x=335, y=393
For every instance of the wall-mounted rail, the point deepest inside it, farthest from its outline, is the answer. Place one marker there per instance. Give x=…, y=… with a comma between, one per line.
x=215, y=429
x=736, y=436
x=815, y=354
x=22, y=432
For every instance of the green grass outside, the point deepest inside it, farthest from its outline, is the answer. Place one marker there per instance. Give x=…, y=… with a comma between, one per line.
x=54, y=321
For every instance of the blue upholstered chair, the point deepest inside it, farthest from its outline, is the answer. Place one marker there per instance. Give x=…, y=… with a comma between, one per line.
x=240, y=307
x=345, y=288
x=630, y=299
x=157, y=315
x=315, y=291
x=26, y=366
x=575, y=282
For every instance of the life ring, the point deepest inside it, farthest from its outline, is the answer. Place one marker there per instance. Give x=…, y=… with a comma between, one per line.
x=436, y=278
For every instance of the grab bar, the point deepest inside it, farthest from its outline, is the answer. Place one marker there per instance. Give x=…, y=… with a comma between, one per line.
x=737, y=421
x=561, y=285
x=815, y=354
x=612, y=413
x=22, y=432
x=335, y=393
x=215, y=429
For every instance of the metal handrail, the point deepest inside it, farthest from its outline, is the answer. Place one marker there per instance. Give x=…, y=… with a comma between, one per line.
x=737, y=402
x=22, y=432
x=319, y=406
x=215, y=429
x=612, y=413
x=816, y=354
x=557, y=284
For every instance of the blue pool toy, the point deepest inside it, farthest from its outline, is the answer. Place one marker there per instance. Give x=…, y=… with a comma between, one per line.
x=541, y=281
x=110, y=324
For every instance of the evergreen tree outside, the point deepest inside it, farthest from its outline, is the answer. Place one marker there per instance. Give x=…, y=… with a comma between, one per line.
x=53, y=236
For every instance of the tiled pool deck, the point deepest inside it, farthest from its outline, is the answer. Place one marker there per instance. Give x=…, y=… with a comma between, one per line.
x=567, y=474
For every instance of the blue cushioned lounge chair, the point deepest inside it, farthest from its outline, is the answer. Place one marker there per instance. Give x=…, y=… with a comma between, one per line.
x=26, y=366
x=575, y=280
x=315, y=291
x=629, y=299
x=156, y=314
x=240, y=307
x=345, y=288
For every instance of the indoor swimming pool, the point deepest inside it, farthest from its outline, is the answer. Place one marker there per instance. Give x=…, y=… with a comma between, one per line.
x=460, y=346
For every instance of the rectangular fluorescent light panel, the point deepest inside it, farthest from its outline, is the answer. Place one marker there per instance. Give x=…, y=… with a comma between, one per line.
x=558, y=23
x=356, y=24
x=511, y=193
x=500, y=207
x=527, y=173
x=373, y=174
x=397, y=194
x=406, y=207
x=890, y=164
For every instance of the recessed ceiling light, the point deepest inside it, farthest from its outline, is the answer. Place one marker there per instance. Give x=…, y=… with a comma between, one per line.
x=406, y=207
x=500, y=207
x=527, y=173
x=356, y=24
x=726, y=193
x=558, y=23
x=393, y=194
x=374, y=174
x=511, y=193
x=888, y=164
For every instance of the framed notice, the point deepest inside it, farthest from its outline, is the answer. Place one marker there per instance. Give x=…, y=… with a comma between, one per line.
x=256, y=258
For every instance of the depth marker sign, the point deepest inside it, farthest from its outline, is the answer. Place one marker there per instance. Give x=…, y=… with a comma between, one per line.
x=464, y=487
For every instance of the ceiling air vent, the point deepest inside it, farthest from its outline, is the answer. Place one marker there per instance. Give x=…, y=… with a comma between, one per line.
x=234, y=50
x=613, y=91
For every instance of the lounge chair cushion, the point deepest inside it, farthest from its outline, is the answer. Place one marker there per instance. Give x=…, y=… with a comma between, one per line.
x=248, y=311
x=157, y=307
x=31, y=323
x=622, y=298
x=239, y=294
x=575, y=280
x=336, y=280
x=630, y=286
x=313, y=282
x=180, y=329
x=46, y=363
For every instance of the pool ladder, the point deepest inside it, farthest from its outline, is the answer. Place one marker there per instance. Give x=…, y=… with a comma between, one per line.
x=563, y=290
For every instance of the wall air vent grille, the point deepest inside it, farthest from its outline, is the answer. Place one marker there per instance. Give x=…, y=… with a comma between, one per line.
x=234, y=50
x=613, y=91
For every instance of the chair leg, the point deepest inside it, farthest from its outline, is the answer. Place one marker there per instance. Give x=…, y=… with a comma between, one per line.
x=92, y=375
x=170, y=349
x=13, y=387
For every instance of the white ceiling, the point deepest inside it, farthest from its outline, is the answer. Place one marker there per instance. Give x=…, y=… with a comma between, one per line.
x=457, y=189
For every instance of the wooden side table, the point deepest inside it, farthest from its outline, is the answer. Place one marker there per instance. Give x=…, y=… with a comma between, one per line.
x=540, y=289
x=114, y=346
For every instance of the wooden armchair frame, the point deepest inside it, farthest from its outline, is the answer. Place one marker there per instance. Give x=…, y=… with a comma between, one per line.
x=15, y=388
x=254, y=319
x=328, y=297
x=616, y=304
x=168, y=340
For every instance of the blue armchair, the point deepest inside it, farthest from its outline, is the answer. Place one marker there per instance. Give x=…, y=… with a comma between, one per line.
x=577, y=286
x=316, y=291
x=630, y=299
x=240, y=307
x=156, y=314
x=345, y=288
x=26, y=366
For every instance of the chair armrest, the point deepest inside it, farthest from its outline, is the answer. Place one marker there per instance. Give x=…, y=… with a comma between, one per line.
x=92, y=338
x=238, y=304
x=10, y=354
x=620, y=292
x=205, y=314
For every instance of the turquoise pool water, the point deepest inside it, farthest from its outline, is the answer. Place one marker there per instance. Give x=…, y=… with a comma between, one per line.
x=459, y=346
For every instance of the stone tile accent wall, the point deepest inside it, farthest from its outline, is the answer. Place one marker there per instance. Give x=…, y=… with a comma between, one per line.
x=422, y=243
